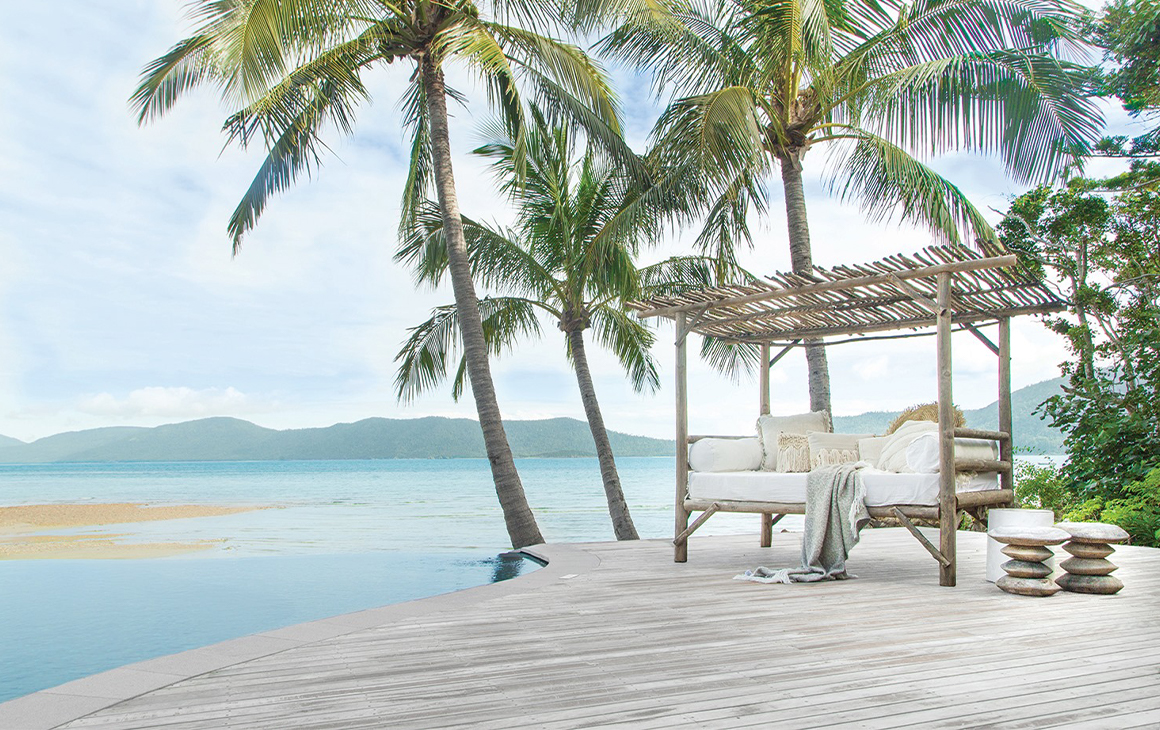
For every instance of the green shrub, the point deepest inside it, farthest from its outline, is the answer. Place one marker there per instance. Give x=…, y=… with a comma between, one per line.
x=1138, y=513
x=1043, y=487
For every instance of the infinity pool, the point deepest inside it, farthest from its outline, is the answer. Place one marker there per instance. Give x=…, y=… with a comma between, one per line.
x=65, y=619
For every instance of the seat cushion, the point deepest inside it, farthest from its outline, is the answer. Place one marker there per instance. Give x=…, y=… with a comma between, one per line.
x=882, y=488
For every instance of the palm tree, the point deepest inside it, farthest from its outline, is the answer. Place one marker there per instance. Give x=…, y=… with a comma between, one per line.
x=569, y=256
x=294, y=69
x=762, y=82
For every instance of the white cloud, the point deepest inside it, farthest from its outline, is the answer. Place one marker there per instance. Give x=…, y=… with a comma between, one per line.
x=162, y=402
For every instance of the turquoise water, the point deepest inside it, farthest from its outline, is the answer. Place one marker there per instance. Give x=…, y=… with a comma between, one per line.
x=346, y=535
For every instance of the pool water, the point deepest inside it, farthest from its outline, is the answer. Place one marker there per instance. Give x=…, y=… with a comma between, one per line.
x=65, y=619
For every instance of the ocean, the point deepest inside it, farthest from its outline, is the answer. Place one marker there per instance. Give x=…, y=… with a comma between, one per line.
x=345, y=536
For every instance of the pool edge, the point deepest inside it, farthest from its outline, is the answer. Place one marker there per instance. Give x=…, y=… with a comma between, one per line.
x=50, y=708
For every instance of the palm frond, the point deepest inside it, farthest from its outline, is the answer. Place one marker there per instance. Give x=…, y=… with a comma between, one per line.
x=734, y=359
x=434, y=345
x=1019, y=105
x=168, y=77
x=887, y=183
x=631, y=341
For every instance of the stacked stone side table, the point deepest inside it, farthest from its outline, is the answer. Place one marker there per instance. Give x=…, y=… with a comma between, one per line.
x=1088, y=570
x=1028, y=548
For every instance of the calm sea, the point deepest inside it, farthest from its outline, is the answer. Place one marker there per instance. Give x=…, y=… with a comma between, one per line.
x=346, y=535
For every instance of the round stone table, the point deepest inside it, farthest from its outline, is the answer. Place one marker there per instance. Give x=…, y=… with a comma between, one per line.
x=1088, y=569
x=1028, y=548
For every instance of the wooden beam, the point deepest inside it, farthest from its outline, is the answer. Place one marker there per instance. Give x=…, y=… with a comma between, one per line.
x=1006, y=448
x=763, y=383
x=948, y=514
x=977, y=433
x=784, y=351
x=920, y=537
x=915, y=294
x=985, y=498
x=799, y=508
x=683, y=537
x=854, y=282
x=681, y=550
x=683, y=328
x=982, y=465
x=982, y=338
x=894, y=324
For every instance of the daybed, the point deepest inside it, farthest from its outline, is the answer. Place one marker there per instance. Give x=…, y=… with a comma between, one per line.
x=950, y=288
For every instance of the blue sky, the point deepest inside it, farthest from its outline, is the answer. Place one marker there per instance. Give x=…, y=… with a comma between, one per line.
x=120, y=303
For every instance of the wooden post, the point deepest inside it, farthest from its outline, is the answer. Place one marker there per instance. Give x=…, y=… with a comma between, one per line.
x=947, y=506
x=763, y=378
x=766, y=529
x=681, y=549
x=1006, y=446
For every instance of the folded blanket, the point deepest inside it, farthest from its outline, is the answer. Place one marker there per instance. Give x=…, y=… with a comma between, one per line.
x=835, y=513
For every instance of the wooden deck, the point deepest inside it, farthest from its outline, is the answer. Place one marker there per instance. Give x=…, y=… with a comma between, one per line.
x=617, y=635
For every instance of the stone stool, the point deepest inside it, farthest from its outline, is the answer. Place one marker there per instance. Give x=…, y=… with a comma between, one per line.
x=1087, y=570
x=1027, y=546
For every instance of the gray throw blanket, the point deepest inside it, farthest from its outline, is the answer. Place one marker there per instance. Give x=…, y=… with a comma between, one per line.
x=835, y=513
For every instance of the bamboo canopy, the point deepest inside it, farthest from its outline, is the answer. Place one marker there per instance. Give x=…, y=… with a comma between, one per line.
x=897, y=292
x=941, y=287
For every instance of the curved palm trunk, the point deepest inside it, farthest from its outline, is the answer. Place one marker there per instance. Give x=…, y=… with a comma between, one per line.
x=521, y=523
x=802, y=260
x=617, y=507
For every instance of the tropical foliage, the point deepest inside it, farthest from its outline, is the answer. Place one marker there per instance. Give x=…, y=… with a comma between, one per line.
x=1129, y=32
x=759, y=83
x=568, y=258
x=1104, y=247
x=294, y=70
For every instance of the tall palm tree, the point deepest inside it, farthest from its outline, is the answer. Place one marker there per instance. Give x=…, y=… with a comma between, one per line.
x=570, y=258
x=762, y=82
x=294, y=69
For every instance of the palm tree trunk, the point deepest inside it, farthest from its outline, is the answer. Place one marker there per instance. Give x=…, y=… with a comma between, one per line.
x=802, y=261
x=617, y=507
x=521, y=523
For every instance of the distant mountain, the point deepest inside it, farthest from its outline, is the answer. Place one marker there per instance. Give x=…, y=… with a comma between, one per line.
x=232, y=439
x=9, y=441
x=1031, y=433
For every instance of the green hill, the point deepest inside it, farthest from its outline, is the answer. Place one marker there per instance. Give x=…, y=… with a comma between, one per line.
x=9, y=441
x=232, y=439
x=1031, y=433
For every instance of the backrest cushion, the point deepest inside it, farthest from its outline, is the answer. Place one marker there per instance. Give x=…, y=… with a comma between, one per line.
x=922, y=453
x=893, y=456
x=829, y=449
x=768, y=428
x=793, y=452
x=725, y=454
x=870, y=449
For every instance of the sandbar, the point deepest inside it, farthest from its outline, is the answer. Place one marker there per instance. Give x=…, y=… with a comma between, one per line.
x=19, y=525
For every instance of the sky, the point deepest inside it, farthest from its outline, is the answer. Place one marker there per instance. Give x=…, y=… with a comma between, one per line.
x=121, y=303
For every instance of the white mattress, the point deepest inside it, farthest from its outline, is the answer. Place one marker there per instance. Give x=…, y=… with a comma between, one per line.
x=883, y=488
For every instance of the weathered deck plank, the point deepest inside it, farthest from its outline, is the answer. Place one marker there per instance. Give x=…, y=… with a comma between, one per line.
x=641, y=642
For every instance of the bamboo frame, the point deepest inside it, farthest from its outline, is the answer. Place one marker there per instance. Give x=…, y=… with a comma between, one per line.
x=890, y=295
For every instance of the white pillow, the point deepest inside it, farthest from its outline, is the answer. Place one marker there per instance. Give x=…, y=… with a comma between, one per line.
x=768, y=428
x=828, y=449
x=870, y=449
x=893, y=456
x=725, y=454
x=922, y=453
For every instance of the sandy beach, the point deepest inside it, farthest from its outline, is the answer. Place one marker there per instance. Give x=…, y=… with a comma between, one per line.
x=20, y=525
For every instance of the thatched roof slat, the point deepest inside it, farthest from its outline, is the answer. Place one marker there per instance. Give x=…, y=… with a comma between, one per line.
x=892, y=293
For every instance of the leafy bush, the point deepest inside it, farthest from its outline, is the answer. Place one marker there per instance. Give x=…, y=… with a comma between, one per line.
x=1043, y=487
x=1138, y=513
